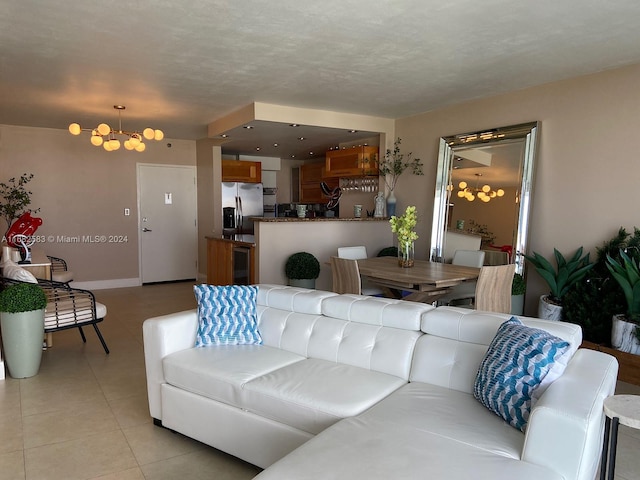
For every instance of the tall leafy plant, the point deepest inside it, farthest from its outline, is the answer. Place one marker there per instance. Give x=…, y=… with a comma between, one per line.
x=627, y=274
x=393, y=164
x=594, y=300
x=15, y=198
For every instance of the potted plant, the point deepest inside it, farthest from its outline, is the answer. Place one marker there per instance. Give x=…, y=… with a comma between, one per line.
x=302, y=269
x=518, y=288
x=559, y=280
x=403, y=226
x=391, y=166
x=625, y=335
x=593, y=301
x=22, y=322
x=14, y=198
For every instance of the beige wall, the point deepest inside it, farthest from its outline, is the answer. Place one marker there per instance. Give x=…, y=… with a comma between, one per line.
x=278, y=240
x=587, y=171
x=83, y=190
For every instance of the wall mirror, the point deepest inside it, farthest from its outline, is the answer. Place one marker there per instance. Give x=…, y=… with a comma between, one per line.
x=483, y=194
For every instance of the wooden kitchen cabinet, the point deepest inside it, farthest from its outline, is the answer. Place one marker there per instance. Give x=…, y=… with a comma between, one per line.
x=352, y=162
x=241, y=171
x=311, y=175
x=230, y=262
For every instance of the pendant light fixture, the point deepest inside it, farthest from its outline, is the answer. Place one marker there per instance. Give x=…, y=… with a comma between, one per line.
x=104, y=135
x=484, y=193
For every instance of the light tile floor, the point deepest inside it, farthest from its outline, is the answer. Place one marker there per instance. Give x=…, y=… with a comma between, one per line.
x=85, y=415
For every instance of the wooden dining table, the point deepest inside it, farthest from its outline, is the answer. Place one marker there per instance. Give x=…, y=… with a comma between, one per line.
x=427, y=281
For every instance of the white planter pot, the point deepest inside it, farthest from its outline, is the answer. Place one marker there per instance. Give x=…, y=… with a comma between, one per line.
x=623, y=335
x=22, y=335
x=517, y=304
x=303, y=282
x=549, y=311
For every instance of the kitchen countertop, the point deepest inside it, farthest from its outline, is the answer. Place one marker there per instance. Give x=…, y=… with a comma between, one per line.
x=239, y=239
x=318, y=219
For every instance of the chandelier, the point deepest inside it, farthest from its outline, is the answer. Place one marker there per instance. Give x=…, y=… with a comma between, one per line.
x=104, y=135
x=484, y=193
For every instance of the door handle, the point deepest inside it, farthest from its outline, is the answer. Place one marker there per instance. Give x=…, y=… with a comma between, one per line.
x=145, y=229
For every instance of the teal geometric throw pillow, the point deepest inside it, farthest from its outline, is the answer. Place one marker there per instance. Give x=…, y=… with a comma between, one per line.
x=227, y=315
x=518, y=359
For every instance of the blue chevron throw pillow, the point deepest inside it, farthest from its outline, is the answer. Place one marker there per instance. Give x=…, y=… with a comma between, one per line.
x=518, y=359
x=226, y=315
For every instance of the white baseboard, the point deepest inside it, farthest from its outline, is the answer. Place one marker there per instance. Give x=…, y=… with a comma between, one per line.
x=103, y=284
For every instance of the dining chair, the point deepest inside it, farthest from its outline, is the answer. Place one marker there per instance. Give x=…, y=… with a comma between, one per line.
x=465, y=291
x=468, y=258
x=346, y=276
x=357, y=253
x=493, y=289
x=354, y=253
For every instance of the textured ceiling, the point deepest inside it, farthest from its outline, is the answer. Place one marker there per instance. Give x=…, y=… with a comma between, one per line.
x=179, y=66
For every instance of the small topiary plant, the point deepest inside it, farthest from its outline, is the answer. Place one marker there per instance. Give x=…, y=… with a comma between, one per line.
x=518, y=287
x=302, y=265
x=22, y=297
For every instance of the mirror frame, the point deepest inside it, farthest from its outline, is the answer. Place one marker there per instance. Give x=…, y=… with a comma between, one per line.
x=448, y=146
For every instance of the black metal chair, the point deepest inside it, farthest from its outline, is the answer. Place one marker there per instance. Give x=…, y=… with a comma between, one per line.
x=70, y=308
x=59, y=271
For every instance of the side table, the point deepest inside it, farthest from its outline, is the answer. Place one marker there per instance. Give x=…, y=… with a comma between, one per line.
x=618, y=409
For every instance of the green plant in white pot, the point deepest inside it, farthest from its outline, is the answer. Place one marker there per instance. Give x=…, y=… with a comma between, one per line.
x=625, y=334
x=22, y=322
x=559, y=280
x=302, y=269
x=518, y=289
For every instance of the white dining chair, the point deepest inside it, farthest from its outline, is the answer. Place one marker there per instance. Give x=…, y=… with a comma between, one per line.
x=466, y=291
x=357, y=253
x=353, y=253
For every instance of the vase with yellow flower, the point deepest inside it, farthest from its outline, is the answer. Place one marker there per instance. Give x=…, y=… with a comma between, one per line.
x=403, y=226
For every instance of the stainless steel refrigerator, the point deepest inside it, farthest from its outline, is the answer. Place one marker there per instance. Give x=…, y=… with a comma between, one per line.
x=246, y=199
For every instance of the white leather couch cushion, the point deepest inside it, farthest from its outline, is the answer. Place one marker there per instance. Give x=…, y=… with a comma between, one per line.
x=219, y=372
x=419, y=431
x=292, y=299
x=376, y=311
x=458, y=339
x=386, y=349
x=313, y=394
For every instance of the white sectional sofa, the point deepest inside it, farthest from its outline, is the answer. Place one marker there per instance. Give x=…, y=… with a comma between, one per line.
x=348, y=386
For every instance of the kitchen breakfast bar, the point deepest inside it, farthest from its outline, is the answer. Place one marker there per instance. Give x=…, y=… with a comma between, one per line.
x=278, y=237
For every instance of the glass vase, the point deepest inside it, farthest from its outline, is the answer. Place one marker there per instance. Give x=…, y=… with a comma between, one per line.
x=406, y=254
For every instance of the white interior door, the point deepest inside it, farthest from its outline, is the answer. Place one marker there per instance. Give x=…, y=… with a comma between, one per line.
x=167, y=212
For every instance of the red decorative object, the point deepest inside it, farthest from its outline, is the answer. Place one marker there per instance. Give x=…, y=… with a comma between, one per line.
x=504, y=248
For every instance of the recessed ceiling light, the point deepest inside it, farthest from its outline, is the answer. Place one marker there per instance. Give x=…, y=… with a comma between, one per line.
x=301, y=138
x=310, y=153
x=275, y=144
x=224, y=135
x=293, y=156
x=353, y=131
x=257, y=149
x=248, y=127
x=294, y=125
